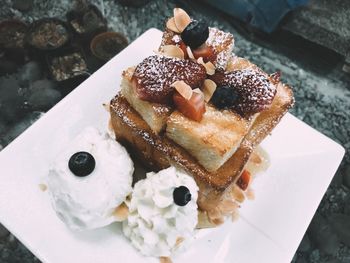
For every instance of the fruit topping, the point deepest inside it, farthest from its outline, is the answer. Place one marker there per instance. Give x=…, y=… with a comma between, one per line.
x=81, y=164
x=254, y=88
x=195, y=34
x=243, y=180
x=224, y=97
x=154, y=76
x=206, y=52
x=181, y=195
x=209, y=67
x=192, y=108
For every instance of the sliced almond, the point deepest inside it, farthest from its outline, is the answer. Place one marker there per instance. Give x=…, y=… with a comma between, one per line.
x=173, y=51
x=201, y=61
x=227, y=206
x=203, y=220
x=209, y=88
x=197, y=90
x=179, y=240
x=182, y=88
x=238, y=194
x=189, y=53
x=165, y=260
x=43, y=187
x=210, y=68
x=121, y=212
x=181, y=19
x=170, y=24
x=235, y=215
x=250, y=194
x=230, y=66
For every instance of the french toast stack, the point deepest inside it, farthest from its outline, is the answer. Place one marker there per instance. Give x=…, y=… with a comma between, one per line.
x=197, y=106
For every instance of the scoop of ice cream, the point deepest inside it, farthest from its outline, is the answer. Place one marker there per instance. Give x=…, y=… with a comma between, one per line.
x=162, y=213
x=88, y=202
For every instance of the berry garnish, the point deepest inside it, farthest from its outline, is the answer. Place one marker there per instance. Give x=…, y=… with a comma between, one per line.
x=181, y=195
x=194, y=108
x=224, y=97
x=243, y=180
x=81, y=164
x=195, y=34
x=256, y=91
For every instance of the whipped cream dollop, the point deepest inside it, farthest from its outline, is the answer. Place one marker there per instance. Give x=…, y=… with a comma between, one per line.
x=89, y=202
x=156, y=225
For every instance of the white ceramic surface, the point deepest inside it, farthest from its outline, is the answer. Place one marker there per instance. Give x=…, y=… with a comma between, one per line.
x=303, y=162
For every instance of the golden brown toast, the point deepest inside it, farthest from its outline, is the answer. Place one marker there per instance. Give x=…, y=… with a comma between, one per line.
x=213, y=140
x=155, y=114
x=158, y=152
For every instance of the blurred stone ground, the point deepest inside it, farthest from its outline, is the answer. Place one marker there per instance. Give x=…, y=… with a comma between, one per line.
x=322, y=93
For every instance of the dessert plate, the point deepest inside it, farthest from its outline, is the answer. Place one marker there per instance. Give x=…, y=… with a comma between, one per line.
x=270, y=228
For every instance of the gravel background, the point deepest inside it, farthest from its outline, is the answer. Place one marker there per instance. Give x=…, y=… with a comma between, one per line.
x=322, y=93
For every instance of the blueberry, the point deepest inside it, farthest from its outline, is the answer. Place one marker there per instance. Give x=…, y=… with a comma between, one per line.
x=181, y=195
x=81, y=164
x=224, y=97
x=195, y=34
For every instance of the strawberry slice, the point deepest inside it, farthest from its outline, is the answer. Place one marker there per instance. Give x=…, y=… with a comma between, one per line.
x=206, y=52
x=154, y=76
x=194, y=108
x=243, y=180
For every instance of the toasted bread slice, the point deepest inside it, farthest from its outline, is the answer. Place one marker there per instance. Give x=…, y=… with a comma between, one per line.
x=158, y=151
x=213, y=140
x=154, y=114
x=221, y=42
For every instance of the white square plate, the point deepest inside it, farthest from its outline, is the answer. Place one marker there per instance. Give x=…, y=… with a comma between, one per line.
x=270, y=229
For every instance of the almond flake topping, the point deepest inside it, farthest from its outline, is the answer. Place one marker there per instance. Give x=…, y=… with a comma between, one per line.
x=172, y=51
x=197, y=90
x=189, y=52
x=182, y=19
x=209, y=67
x=182, y=88
x=170, y=24
x=209, y=88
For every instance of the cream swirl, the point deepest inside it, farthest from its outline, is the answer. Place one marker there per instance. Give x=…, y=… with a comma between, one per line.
x=156, y=225
x=89, y=202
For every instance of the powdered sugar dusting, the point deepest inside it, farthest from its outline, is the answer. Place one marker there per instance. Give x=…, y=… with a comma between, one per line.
x=155, y=74
x=222, y=43
x=255, y=89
